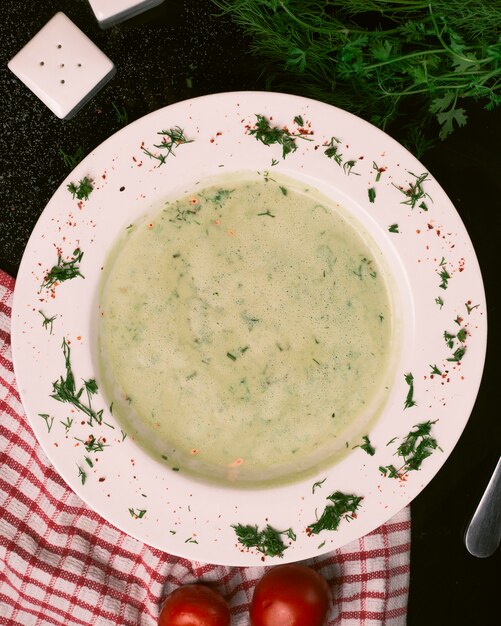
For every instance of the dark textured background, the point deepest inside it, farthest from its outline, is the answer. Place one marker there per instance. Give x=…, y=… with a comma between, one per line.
x=180, y=50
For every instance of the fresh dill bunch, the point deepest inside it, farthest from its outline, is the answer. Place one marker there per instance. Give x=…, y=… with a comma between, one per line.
x=413, y=62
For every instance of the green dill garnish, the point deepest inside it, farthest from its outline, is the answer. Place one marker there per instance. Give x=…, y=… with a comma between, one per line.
x=409, y=400
x=457, y=355
x=274, y=162
x=407, y=63
x=267, y=134
x=231, y=356
x=83, y=190
x=124, y=435
x=175, y=469
x=89, y=461
x=268, y=541
x=48, y=420
x=72, y=160
x=317, y=484
x=371, y=192
x=283, y=190
x=415, y=192
x=462, y=334
x=416, y=446
x=389, y=470
x=449, y=339
x=64, y=390
x=92, y=444
x=321, y=545
x=332, y=150
x=172, y=138
x=67, y=424
x=81, y=474
x=444, y=275
x=366, y=446
x=220, y=196
x=191, y=540
x=439, y=301
x=47, y=321
x=267, y=212
x=64, y=270
x=470, y=308
x=459, y=351
x=137, y=513
x=342, y=506
x=379, y=170
x=299, y=120
x=435, y=371
x=348, y=167
x=121, y=114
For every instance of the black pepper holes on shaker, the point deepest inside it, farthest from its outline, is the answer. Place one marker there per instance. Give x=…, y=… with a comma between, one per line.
x=49, y=63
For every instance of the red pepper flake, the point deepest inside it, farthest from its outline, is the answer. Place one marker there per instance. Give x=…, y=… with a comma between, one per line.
x=212, y=140
x=102, y=479
x=122, y=189
x=134, y=159
x=80, y=204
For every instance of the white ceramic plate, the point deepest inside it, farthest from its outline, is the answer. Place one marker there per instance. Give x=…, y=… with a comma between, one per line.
x=439, y=290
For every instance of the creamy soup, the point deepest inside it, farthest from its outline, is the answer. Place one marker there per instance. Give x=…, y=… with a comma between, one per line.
x=246, y=331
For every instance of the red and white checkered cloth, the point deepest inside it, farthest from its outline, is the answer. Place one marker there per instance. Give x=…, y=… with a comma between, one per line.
x=62, y=564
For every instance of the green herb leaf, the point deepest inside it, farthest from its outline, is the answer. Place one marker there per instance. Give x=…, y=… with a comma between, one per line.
x=83, y=190
x=171, y=139
x=409, y=400
x=267, y=541
x=47, y=321
x=317, y=485
x=48, y=420
x=64, y=270
x=367, y=446
x=64, y=390
x=416, y=446
x=72, y=160
x=415, y=191
x=342, y=507
x=267, y=134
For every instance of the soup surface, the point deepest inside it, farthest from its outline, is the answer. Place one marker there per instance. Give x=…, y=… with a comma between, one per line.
x=246, y=331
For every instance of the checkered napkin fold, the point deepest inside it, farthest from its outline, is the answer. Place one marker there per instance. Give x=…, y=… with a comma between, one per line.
x=61, y=564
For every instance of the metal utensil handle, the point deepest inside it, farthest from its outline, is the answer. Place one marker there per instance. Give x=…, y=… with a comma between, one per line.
x=484, y=531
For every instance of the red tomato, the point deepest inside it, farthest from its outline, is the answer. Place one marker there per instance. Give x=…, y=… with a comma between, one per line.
x=290, y=595
x=195, y=605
